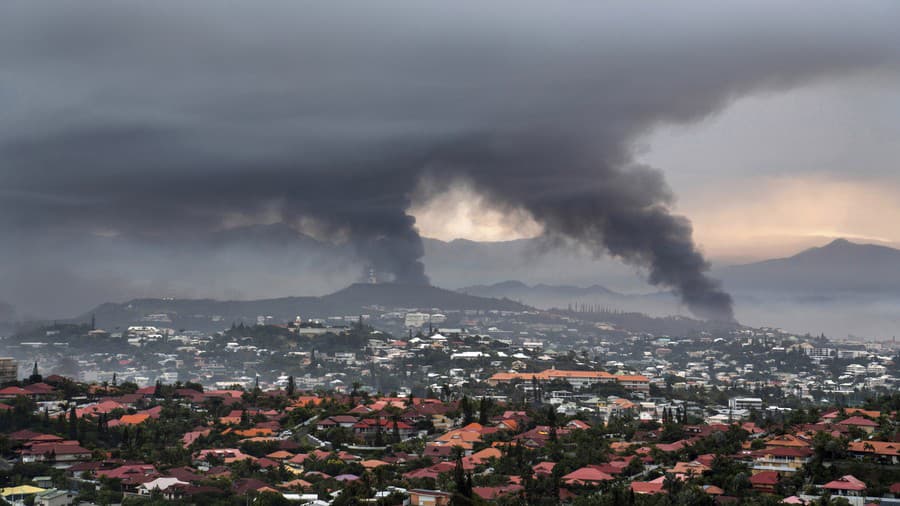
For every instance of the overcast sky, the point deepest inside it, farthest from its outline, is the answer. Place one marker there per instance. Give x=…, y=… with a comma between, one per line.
x=654, y=134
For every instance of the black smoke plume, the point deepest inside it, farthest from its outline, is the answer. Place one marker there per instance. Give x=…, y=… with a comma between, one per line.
x=618, y=210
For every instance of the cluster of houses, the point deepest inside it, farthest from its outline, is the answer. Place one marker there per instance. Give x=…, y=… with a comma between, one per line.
x=411, y=447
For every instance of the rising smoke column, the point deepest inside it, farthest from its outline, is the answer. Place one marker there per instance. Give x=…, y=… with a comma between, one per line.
x=622, y=211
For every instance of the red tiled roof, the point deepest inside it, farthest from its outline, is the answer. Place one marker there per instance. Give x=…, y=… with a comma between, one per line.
x=544, y=468
x=765, y=478
x=39, y=388
x=846, y=482
x=60, y=448
x=129, y=471
x=783, y=451
x=672, y=447
x=858, y=421
x=24, y=435
x=431, y=472
x=586, y=475
x=647, y=487
x=490, y=493
x=13, y=391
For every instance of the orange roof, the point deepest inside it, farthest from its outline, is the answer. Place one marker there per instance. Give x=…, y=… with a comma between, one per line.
x=549, y=374
x=787, y=440
x=623, y=403
x=467, y=436
x=620, y=446
x=853, y=411
x=483, y=456
x=133, y=419
x=636, y=377
x=876, y=447
x=647, y=487
x=694, y=468
x=297, y=483
x=557, y=373
x=254, y=432
x=308, y=400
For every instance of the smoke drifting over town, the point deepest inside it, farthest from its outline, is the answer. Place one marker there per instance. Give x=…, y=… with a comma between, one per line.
x=163, y=123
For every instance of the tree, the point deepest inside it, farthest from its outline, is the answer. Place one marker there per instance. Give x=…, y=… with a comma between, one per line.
x=395, y=421
x=462, y=496
x=552, y=422
x=73, y=424
x=484, y=409
x=466, y=407
x=35, y=376
x=379, y=433
x=291, y=386
x=536, y=388
x=271, y=499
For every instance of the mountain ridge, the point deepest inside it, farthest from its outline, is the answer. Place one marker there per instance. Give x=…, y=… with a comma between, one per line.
x=839, y=266
x=352, y=300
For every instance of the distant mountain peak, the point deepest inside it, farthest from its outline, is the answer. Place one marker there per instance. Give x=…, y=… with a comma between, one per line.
x=838, y=266
x=848, y=250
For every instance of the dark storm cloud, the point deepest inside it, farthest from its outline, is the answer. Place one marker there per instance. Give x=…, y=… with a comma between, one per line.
x=169, y=120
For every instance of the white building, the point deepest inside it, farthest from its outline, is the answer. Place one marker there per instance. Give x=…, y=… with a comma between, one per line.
x=9, y=370
x=416, y=320
x=876, y=370
x=856, y=370
x=748, y=403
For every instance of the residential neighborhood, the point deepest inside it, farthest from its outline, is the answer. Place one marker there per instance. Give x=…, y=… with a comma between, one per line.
x=449, y=416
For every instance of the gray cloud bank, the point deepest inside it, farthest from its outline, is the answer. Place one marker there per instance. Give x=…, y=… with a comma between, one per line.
x=167, y=122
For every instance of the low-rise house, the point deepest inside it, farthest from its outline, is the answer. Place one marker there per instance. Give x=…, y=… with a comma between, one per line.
x=55, y=498
x=493, y=493
x=586, y=476
x=226, y=455
x=19, y=494
x=420, y=497
x=371, y=426
x=859, y=422
x=649, y=487
x=787, y=440
x=432, y=472
x=345, y=421
x=781, y=459
x=765, y=481
x=132, y=476
x=846, y=486
x=166, y=485
x=886, y=452
x=692, y=469
x=61, y=454
x=543, y=468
